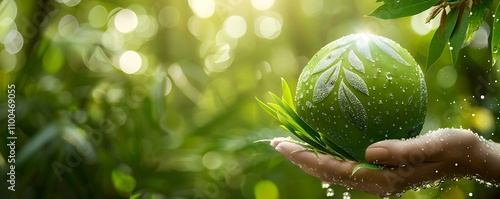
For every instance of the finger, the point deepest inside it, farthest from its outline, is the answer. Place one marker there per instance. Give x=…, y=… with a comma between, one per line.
x=404, y=152
x=321, y=166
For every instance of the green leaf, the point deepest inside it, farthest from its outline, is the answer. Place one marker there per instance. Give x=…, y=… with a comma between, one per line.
x=440, y=38
x=476, y=19
x=287, y=95
x=495, y=36
x=458, y=38
x=366, y=166
x=402, y=8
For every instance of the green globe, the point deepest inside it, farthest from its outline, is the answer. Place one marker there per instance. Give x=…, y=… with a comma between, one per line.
x=361, y=89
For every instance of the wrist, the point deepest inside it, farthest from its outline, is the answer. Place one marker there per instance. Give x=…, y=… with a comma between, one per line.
x=487, y=157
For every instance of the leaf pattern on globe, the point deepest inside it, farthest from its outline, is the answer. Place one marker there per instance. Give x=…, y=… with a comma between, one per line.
x=326, y=82
x=329, y=74
x=356, y=81
x=352, y=108
x=364, y=49
x=328, y=60
x=387, y=47
x=356, y=62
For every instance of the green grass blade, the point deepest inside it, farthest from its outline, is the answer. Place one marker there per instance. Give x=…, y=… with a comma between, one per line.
x=267, y=108
x=366, y=166
x=334, y=147
x=287, y=95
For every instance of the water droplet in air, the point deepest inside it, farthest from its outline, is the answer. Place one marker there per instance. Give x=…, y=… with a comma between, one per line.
x=482, y=96
x=451, y=47
x=471, y=194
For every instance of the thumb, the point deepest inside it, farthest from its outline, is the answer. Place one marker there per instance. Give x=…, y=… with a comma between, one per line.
x=402, y=152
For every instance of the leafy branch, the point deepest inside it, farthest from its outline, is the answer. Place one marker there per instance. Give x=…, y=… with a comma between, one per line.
x=459, y=19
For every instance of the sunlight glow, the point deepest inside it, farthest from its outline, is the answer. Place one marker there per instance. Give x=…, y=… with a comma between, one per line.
x=126, y=21
x=130, y=62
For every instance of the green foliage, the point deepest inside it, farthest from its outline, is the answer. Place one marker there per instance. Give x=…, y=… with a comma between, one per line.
x=495, y=36
x=184, y=125
x=392, y=9
x=282, y=111
x=456, y=25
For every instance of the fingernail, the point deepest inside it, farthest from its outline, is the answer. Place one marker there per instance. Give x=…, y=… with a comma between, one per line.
x=277, y=140
x=287, y=148
x=377, y=154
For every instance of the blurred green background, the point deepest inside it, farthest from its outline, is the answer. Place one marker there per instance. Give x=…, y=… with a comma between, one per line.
x=156, y=99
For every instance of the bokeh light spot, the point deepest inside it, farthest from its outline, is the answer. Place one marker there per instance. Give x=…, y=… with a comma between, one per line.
x=479, y=39
x=98, y=16
x=126, y=21
x=266, y=189
x=220, y=60
x=130, y=62
x=8, y=13
x=420, y=27
x=68, y=26
x=235, y=26
x=267, y=27
x=202, y=8
x=9, y=10
x=262, y=4
x=13, y=42
x=312, y=7
x=484, y=120
x=112, y=40
x=212, y=160
x=69, y=3
x=446, y=77
x=169, y=17
x=7, y=61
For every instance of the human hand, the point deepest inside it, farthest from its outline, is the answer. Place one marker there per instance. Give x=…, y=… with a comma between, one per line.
x=441, y=154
